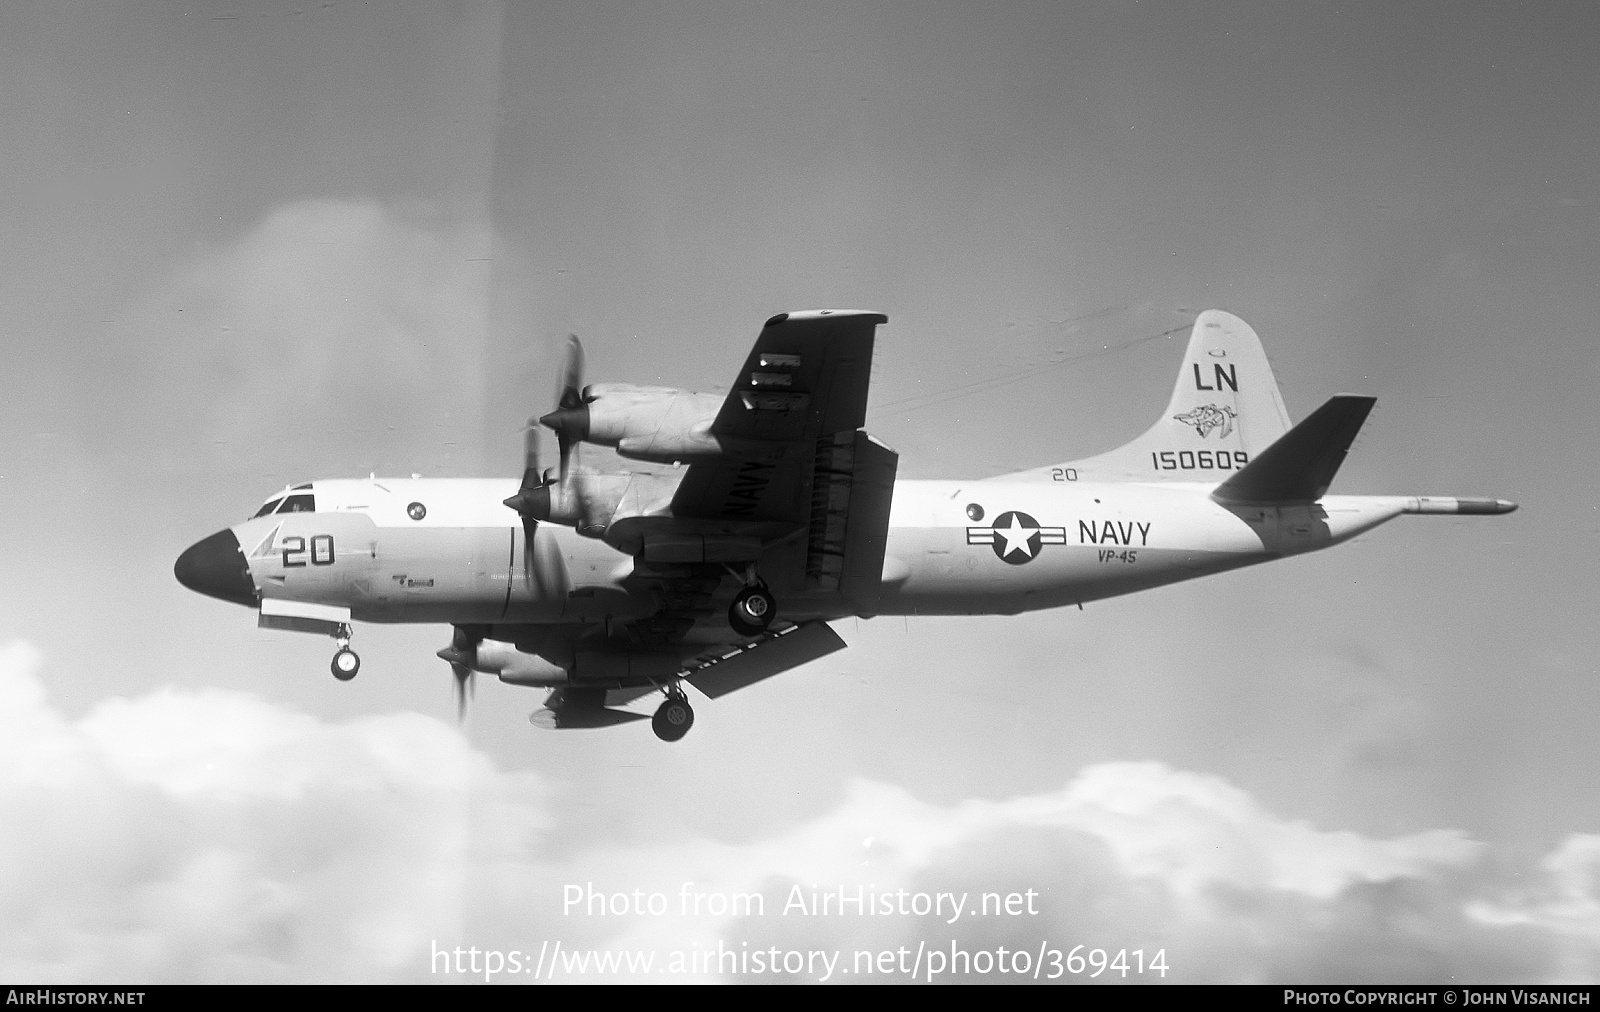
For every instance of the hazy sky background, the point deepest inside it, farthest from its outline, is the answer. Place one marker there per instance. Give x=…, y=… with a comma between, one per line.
x=244, y=246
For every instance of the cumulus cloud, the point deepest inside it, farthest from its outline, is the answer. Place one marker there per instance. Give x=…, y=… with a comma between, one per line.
x=1132, y=856
x=213, y=836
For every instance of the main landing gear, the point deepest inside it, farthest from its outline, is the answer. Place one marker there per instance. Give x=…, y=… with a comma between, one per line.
x=754, y=608
x=345, y=663
x=673, y=717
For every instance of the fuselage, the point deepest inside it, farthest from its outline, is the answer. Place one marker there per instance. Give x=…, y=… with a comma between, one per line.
x=449, y=551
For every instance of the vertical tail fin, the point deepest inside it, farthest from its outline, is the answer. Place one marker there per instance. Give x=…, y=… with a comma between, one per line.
x=1225, y=409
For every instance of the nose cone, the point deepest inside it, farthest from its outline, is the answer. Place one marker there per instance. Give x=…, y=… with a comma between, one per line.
x=216, y=567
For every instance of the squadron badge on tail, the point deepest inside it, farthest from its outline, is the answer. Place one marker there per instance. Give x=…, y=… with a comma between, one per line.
x=1207, y=417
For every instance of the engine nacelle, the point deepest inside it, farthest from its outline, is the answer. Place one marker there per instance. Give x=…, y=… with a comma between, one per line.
x=658, y=424
x=587, y=502
x=511, y=665
x=619, y=411
x=519, y=667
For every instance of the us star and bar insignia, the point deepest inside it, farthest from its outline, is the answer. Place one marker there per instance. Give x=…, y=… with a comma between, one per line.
x=1016, y=537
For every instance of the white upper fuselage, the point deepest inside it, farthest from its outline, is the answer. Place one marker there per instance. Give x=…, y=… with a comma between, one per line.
x=449, y=550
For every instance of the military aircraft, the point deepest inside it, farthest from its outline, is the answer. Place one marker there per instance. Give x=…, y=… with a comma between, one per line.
x=757, y=517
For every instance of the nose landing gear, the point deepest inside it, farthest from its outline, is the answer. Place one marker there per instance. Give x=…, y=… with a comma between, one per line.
x=346, y=662
x=673, y=717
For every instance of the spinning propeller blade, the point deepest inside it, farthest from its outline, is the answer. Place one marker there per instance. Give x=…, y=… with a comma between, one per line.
x=532, y=502
x=570, y=420
x=461, y=652
x=465, y=679
x=542, y=496
x=532, y=498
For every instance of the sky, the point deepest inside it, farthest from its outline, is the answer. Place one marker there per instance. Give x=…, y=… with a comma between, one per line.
x=245, y=246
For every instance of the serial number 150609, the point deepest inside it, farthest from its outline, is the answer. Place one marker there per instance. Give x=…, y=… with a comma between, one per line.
x=1198, y=460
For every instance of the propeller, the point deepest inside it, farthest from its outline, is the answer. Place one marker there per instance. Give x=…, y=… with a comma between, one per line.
x=533, y=497
x=532, y=502
x=570, y=419
x=462, y=650
x=466, y=679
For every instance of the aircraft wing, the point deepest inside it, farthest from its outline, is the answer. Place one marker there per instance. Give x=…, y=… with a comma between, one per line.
x=799, y=489
x=803, y=389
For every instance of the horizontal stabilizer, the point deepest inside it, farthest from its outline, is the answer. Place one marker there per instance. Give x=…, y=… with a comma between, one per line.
x=765, y=658
x=1300, y=465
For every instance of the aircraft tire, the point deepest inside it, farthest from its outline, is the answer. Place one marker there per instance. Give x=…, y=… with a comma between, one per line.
x=673, y=719
x=345, y=665
x=752, y=611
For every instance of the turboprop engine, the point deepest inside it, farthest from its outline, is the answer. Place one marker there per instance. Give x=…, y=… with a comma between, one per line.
x=658, y=424
x=504, y=660
x=587, y=502
x=517, y=666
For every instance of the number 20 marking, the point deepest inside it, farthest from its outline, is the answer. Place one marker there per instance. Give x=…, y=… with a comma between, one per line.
x=294, y=550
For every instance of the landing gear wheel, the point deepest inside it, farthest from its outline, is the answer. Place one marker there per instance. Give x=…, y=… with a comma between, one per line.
x=673, y=719
x=345, y=664
x=752, y=611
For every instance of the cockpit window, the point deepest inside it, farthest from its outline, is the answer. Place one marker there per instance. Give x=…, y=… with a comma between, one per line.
x=299, y=504
x=268, y=508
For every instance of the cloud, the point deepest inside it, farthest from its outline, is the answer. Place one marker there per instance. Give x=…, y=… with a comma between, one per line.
x=1565, y=904
x=211, y=836
x=214, y=836
x=350, y=316
x=1127, y=856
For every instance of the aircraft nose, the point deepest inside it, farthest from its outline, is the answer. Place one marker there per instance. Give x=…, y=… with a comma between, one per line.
x=216, y=567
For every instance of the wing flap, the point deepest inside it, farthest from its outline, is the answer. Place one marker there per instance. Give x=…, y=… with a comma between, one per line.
x=867, y=526
x=766, y=657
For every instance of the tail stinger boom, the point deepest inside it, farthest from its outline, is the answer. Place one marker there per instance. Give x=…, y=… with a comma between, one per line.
x=1458, y=505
